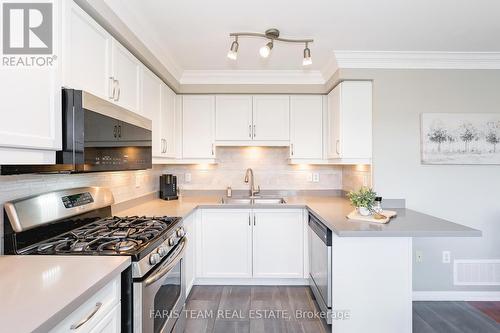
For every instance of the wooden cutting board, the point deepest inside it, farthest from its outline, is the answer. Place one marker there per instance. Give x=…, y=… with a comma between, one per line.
x=354, y=215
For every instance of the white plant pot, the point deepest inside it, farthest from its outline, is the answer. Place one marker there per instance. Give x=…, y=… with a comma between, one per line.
x=363, y=211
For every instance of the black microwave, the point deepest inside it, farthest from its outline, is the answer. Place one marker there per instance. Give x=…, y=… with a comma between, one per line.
x=97, y=135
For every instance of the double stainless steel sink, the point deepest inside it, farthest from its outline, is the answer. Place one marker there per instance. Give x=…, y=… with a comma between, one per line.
x=256, y=200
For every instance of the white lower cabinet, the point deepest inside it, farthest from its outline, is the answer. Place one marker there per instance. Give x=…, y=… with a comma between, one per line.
x=278, y=244
x=111, y=323
x=100, y=313
x=226, y=243
x=190, y=256
x=246, y=243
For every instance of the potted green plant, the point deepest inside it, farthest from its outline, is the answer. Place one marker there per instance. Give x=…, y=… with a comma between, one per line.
x=363, y=200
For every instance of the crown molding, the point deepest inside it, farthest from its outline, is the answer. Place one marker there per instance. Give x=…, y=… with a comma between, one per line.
x=417, y=60
x=252, y=77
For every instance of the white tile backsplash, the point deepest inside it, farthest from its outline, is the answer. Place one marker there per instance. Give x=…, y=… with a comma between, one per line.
x=270, y=166
x=356, y=176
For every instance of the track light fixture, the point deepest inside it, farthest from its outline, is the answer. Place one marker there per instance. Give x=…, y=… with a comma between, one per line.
x=233, y=51
x=266, y=49
x=307, y=56
x=272, y=35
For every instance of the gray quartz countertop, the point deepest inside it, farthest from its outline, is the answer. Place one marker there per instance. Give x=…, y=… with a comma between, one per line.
x=38, y=292
x=331, y=210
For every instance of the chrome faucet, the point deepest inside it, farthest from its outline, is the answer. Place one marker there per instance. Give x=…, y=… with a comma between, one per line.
x=249, y=177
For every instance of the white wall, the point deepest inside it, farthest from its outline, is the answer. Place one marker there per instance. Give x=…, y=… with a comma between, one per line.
x=468, y=195
x=270, y=166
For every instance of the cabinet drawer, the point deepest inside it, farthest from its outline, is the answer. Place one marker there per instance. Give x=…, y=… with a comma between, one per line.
x=108, y=297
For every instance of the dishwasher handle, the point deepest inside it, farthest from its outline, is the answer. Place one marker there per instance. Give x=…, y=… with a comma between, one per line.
x=321, y=230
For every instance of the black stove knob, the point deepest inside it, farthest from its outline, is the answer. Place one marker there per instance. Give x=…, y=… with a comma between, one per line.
x=154, y=258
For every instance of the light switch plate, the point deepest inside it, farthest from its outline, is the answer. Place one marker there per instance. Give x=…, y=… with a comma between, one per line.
x=187, y=177
x=446, y=257
x=138, y=180
x=315, y=177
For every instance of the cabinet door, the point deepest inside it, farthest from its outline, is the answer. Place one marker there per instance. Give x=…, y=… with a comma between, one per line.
x=86, y=53
x=198, y=117
x=190, y=257
x=226, y=243
x=151, y=107
x=333, y=135
x=126, y=70
x=278, y=244
x=168, y=121
x=233, y=118
x=306, y=124
x=356, y=119
x=109, y=324
x=271, y=118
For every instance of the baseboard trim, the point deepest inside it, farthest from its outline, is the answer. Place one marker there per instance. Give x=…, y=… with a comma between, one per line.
x=456, y=296
x=250, y=282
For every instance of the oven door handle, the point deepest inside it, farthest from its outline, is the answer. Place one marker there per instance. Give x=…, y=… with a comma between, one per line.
x=168, y=265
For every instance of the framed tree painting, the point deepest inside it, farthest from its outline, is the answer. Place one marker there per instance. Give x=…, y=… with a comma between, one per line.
x=460, y=138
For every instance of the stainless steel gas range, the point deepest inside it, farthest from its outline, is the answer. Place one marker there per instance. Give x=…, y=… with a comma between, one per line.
x=79, y=222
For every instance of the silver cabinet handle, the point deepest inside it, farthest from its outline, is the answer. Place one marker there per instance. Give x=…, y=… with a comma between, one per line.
x=291, y=149
x=86, y=319
x=162, y=146
x=254, y=132
x=111, y=88
x=254, y=219
x=117, y=95
x=249, y=219
x=337, y=147
x=115, y=86
x=250, y=131
x=165, y=146
x=213, y=150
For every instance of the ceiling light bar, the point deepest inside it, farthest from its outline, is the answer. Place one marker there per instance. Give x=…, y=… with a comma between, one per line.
x=265, y=51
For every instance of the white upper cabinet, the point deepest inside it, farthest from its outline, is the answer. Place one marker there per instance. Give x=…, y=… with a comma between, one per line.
x=198, y=127
x=168, y=121
x=31, y=108
x=233, y=118
x=350, y=122
x=278, y=244
x=226, y=243
x=86, y=53
x=151, y=108
x=95, y=62
x=306, y=127
x=126, y=71
x=271, y=118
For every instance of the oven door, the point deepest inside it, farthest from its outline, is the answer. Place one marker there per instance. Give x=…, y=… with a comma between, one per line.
x=159, y=298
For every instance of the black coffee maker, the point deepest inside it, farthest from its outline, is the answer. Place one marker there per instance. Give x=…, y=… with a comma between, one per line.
x=168, y=187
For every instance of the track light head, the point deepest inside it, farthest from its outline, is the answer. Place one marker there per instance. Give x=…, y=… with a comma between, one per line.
x=266, y=49
x=233, y=51
x=307, y=57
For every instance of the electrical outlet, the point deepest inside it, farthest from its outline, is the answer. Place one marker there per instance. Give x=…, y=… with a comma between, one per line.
x=419, y=256
x=446, y=257
x=315, y=177
x=310, y=177
x=187, y=177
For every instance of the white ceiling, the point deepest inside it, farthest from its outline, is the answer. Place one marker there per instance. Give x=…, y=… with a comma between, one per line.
x=194, y=34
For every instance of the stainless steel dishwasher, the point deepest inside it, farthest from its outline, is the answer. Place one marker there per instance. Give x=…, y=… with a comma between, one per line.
x=320, y=264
